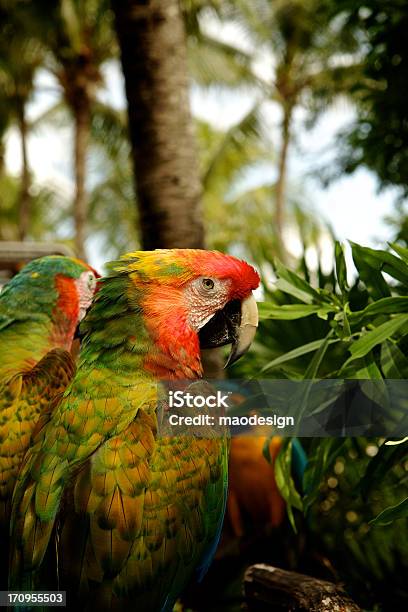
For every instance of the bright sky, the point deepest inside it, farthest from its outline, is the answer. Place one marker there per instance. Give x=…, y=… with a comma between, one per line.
x=352, y=205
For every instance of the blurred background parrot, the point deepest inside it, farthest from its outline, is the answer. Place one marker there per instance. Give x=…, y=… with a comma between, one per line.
x=40, y=309
x=253, y=495
x=254, y=499
x=255, y=503
x=123, y=516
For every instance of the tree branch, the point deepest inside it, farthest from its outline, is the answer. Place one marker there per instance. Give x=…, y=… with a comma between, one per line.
x=271, y=588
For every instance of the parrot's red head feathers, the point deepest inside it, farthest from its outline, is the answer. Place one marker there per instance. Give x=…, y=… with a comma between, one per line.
x=76, y=286
x=75, y=283
x=175, y=267
x=243, y=278
x=58, y=288
x=192, y=299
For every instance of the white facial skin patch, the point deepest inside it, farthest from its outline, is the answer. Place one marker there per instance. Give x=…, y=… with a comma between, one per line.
x=204, y=297
x=85, y=285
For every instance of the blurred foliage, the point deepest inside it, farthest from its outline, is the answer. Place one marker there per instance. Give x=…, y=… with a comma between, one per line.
x=313, y=52
x=76, y=36
x=20, y=57
x=75, y=39
x=372, y=560
x=211, y=60
x=355, y=491
x=47, y=206
x=304, y=51
x=111, y=179
x=379, y=137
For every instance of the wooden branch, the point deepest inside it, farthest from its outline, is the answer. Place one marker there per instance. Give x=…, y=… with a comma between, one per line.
x=276, y=590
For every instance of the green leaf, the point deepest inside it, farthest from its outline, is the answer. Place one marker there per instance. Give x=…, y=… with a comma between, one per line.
x=368, y=371
x=321, y=458
x=341, y=268
x=310, y=375
x=392, y=513
x=283, y=285
x=383, y=261
x=285, y=482
x=379, y=466
x=370, y=339
x=290, y=311
x=372, y=277
x=388, y=305
x=297, y=352
x=394, y=364
x=377, y=392
x=294, y=283
x=314, y=365
x=402, y=251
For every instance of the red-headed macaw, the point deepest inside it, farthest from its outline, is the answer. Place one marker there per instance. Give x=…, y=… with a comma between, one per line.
x=40, y=309
x=132, y=515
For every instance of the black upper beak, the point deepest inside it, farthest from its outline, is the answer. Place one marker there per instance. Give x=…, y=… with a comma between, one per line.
x=235, y=324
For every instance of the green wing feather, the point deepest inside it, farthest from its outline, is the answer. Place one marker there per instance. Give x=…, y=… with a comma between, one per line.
x=78, y=425
x=22, y=399
x=132, y=514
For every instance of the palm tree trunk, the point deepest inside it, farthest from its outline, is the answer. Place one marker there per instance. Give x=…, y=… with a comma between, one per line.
x=25, y=198
x=280, y=188
x=153, y=49
x=82, y=119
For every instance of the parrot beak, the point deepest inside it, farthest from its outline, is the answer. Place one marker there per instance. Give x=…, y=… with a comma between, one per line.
x=246, y=331
x=235, y=324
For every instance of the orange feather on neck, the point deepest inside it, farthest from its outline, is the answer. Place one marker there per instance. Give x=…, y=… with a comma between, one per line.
x=66, y=311
x=176, y=344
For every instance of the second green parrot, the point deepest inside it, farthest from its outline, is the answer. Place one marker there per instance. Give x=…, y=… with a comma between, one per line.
x=40, y=309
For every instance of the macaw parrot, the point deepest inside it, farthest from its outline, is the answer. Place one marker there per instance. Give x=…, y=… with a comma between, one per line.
x=127, y=517
x=253, y=493
x=39, y=312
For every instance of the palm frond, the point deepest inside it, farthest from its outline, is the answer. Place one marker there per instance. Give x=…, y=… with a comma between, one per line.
x=243, y=144
x=214, y=62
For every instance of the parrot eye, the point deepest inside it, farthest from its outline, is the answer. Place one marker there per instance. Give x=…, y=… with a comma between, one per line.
x=91, y=281
x=207, y=283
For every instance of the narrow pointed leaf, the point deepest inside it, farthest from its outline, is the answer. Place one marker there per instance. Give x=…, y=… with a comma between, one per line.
x=285, y=482
x=290, y=311
x=297, y=352
x=392, y=513
x=341, y=269
x=296, y=281
x=372, y=338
